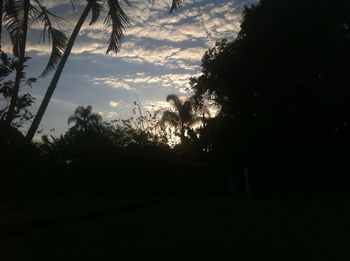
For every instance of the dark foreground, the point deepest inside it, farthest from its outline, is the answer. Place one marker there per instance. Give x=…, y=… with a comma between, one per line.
x=287, y=228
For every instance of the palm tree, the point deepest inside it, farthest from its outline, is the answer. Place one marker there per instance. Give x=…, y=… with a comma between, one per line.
x=84, y=119
x=181, y=116
x=116, y=19
x=17, y=15
x=17, y=18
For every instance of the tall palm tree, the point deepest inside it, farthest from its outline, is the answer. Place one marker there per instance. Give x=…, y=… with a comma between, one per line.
x=17, y=15
x=84, y=119
x=116, y=19
x=181, y=117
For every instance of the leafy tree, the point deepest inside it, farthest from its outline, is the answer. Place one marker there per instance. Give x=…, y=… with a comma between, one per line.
x=116, y=19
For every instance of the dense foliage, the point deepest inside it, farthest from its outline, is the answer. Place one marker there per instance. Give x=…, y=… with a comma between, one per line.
x=282, y=86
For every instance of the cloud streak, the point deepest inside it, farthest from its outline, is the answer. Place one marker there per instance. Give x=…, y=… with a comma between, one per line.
x=111, y=82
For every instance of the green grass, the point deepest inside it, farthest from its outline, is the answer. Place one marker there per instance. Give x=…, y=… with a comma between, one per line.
x=181, y=229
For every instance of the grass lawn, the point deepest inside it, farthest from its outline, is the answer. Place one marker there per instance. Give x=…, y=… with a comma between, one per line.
x=178, y=229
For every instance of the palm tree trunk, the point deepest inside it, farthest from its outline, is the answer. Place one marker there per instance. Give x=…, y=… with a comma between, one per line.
x=182, y=132
x=20, y=65
x=1, y=16
x=38, y=117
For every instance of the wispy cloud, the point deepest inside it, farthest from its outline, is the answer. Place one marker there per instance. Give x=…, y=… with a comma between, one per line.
x=179, y=81
x=113, y=82
x=55, y=102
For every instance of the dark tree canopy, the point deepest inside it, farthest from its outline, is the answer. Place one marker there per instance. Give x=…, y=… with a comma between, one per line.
x=284, y=79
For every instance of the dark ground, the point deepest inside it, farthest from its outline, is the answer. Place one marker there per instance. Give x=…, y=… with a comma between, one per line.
x=174, y=228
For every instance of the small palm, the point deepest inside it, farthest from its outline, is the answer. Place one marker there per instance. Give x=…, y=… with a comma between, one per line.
x=181, y=116
x=84, y=119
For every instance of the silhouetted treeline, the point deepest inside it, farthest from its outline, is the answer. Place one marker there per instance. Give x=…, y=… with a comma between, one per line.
x=95, y=157
x=282, y=93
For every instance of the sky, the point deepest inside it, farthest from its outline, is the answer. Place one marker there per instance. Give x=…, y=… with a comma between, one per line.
x=160, y=53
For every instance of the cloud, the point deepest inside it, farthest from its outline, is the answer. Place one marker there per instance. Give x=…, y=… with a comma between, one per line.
x=170, y=33
x=46, y=48
x=190, y=23
x=56, y=102
x=113, y=104
x=54, y=3
x=112, y=82
x=152, y=21
x=111, y=114
x=153, y=55
x=179, y=81
x=172, y=57
x=191, y=54
x=154, y=106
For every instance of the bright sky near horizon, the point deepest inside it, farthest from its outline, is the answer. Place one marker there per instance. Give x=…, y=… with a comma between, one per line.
x=161, y=51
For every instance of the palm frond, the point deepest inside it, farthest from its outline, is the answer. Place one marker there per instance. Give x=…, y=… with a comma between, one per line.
x=96, y=8
x=72, y=119
x=57, y=38
x=185, y=112
x=119, y=22
x=72, y=4
x=127, y=2
x=170, y=118
x=59, y=44
x=13, y=18
x=88, y=110
x=81, y=111
x=33, y=14
x=175, y=101
x=176, y=4
x=94, y=118
x=193, y=121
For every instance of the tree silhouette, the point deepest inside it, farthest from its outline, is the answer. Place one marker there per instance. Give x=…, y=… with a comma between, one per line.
x=17, y=21
x=17, y=16
x=181, y=116
x=84, y=119
x=116, y=19
x=21, y=114
x=282, y=85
